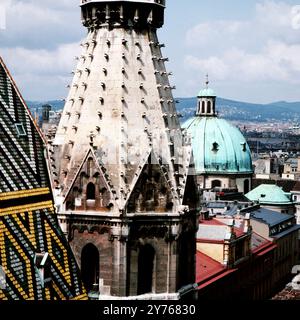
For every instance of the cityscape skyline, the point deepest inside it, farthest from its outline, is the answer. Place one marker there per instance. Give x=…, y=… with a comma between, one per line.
x=123, y=189
x=262, y=34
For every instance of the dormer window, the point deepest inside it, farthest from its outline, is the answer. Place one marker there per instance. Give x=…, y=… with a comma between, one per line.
x=244, y=148
x=42, y=262
x=262, y=195
x=215, y=147
x=20, y=130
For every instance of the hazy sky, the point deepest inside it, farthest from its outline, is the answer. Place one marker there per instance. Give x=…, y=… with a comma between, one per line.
x=250, y=48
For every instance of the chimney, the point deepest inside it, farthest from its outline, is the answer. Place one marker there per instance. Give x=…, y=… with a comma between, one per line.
x=247, y=225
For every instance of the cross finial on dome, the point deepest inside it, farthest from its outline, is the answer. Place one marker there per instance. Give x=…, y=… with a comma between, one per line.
x=207, y=81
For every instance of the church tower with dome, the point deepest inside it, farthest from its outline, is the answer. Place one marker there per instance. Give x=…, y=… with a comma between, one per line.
x=221, y=154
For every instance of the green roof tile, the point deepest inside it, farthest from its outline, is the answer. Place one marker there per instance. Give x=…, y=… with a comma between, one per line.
x=207, y=92
x=269, y=194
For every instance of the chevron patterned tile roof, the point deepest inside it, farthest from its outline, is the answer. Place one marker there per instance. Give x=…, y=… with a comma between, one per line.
x=36, y=262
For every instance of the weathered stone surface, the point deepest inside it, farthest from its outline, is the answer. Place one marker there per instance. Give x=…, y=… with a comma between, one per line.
x=121, y=161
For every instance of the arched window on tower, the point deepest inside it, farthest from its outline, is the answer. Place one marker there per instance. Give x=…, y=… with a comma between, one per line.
x=90, y=260
x=203, y=107
x=209, y=107
x=199, y=107
x=90, y=191
x=145, y=269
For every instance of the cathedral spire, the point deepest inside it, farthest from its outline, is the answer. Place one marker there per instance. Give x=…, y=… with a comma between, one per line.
x=119, y=158
x=206, y=106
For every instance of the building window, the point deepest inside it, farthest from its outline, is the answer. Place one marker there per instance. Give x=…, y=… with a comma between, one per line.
x=216, y=184
x=91, y=191
x=90, y=266
x=20, y=130
x=145, y=269
x=246, y=186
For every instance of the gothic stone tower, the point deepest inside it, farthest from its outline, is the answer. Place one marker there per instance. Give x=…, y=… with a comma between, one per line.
x=120, y=165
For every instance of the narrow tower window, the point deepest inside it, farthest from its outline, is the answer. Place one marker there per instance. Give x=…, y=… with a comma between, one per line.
x=90, y=167
x=203, y=107
x=90, y=266
x=145, y=269
x=209, y=107
x=91, y=191
x=199, y=107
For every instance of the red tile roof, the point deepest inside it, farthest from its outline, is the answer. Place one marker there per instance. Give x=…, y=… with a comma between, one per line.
x=239, y=232
x=209, y=270
x=264, y=247
x=212, y=222
x=206, y=267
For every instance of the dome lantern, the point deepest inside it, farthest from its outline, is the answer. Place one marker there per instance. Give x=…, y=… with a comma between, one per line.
x=206, y=106
x=222, y=157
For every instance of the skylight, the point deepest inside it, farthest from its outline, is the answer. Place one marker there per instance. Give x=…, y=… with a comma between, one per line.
x=20, y=130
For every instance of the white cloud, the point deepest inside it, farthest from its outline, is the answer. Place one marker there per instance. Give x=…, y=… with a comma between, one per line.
x=41, y=24
x=214, y=65
x=41, y=60
x=39, y=44
x=277, y=61
x=209, y=33
x=263, y=48
x=40, y=72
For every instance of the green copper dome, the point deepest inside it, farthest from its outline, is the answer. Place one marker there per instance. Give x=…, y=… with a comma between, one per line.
x=218, y=146
x=270, y=194
x=207, y=92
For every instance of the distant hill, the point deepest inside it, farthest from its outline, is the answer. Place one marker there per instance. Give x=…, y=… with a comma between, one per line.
x=228, y=109
x=237, y=110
